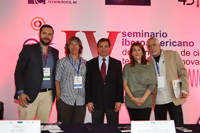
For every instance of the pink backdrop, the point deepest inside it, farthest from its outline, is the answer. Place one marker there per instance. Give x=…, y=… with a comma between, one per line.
x=175, y=24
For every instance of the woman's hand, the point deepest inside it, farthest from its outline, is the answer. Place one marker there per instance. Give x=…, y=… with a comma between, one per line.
x=136, y=101
x=141, y=101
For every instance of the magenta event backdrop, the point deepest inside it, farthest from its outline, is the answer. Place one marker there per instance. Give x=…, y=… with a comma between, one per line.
x=174, y=22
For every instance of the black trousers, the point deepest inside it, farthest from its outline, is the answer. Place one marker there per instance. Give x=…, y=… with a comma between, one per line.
x=139, y=114
x=70, y=114
x=175, y=112
x=112, y=116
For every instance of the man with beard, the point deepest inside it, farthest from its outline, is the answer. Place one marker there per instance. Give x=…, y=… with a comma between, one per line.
x=34, y=77
x=169, y=66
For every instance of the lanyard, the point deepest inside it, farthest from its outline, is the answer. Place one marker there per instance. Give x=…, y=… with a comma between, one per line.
x=157, y=67
x=45, y=59
x=74, y=66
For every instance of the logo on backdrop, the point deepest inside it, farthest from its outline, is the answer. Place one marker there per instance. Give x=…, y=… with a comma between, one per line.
x=30, y=41
x=36, y=1
x=52, y=1
x=37, y=22
x=189, y=2
x=129, y=2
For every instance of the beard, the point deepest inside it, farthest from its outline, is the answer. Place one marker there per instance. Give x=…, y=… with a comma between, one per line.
x=155, y=53
x=45, y=43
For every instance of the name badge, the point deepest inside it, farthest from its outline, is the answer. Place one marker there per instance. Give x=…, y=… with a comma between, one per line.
x=46, y=72
x=78, y=82
x=161, y=82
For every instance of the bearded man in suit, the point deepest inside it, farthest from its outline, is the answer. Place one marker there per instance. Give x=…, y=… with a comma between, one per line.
x=34, y=77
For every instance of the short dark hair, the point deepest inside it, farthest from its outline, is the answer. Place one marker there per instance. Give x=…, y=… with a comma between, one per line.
x=132, y=60
x=76, y=39
x=46, y=26
x=103, y=40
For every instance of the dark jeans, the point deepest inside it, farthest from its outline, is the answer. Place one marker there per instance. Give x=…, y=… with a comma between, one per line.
x=139, y=114
x=112, y=116
x=175, y=112
x=70, y=114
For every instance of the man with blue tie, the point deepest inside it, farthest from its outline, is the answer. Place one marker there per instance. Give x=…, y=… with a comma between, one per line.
x=104, y=88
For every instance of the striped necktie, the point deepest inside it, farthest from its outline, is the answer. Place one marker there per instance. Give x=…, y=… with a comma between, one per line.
x=103, y=70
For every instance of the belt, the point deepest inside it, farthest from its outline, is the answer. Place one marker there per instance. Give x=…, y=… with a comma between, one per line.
x=45, y=89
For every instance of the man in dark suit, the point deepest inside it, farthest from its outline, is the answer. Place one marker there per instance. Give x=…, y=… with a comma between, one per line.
x=104, y=89
x=34, y=77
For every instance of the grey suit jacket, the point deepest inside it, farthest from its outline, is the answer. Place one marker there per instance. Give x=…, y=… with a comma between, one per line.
x=174, y=69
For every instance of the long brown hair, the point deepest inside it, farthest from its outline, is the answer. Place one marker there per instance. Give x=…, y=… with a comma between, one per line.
x=132, y=60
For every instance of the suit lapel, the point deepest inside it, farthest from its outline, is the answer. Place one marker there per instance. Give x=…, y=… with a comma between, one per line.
x=166, y=63
x=96, y=66
x=109, y=67
x=54, y=55
x=39, y=56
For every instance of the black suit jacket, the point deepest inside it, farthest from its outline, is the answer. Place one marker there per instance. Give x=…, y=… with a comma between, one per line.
x=29, y=71
x=104, y=95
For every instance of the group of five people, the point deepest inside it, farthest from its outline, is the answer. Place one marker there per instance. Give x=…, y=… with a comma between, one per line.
x=99, y=83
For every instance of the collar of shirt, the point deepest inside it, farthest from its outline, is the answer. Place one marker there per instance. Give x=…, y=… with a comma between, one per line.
x=72, y=60
x=42, y=48
x=162, y=59
x=160, y=64
x=100, y=60
x=158, y=57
